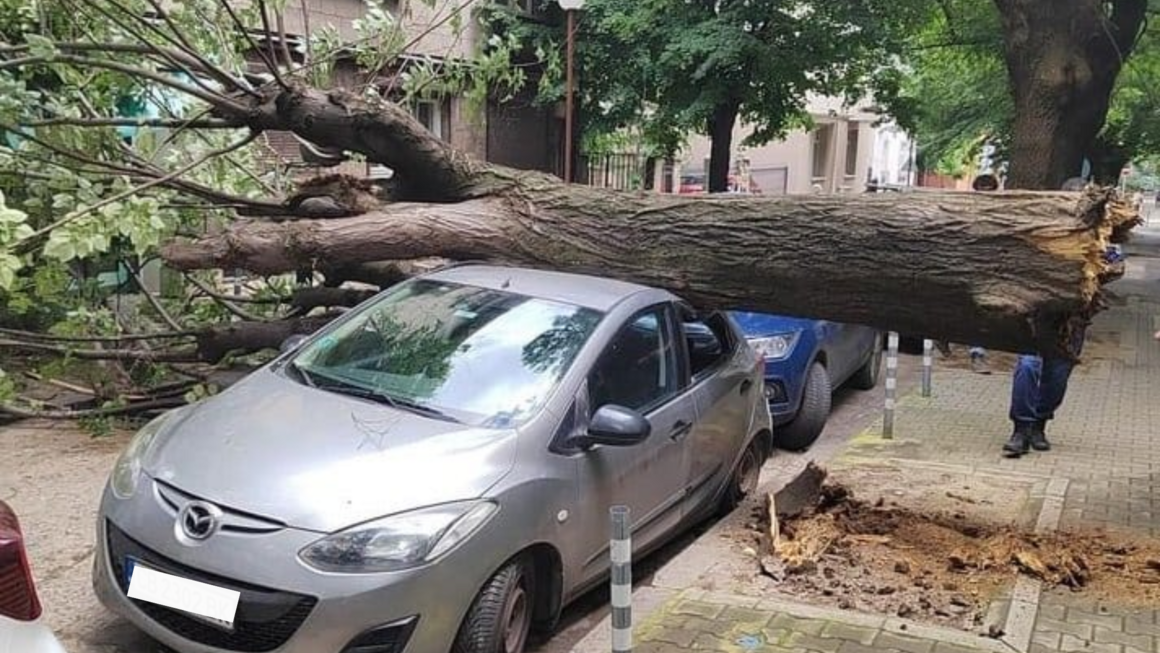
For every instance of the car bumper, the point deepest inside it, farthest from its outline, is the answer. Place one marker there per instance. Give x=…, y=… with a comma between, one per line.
x=782, y=406
x=286, y=607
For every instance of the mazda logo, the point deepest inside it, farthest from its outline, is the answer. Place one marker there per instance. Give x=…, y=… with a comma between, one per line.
x=198, y=520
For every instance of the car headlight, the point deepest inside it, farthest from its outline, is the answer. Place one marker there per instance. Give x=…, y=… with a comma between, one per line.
x=775, y=347
x=127, y=471
x=400, y=541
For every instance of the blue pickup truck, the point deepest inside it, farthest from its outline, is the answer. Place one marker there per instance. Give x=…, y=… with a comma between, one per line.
x=805, y=361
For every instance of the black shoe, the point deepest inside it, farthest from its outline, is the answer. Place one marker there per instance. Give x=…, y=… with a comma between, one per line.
x=1037, y=436
x=1019, y=444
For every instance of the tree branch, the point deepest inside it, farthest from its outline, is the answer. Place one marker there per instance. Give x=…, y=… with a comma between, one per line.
x=220, y=102
x=270, y=65
x=163, y=123
x=221, y=299
x=157, y=307
x=135, y=407
x=23, y=246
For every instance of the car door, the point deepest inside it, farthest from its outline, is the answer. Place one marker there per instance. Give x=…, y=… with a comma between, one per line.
x=722, y=389
x=639, y=369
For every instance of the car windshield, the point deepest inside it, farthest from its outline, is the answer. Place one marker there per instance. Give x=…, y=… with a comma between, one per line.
x=479, y=356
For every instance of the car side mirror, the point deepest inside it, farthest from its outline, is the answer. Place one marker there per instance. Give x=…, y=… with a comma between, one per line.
x=615, y=426
x=293, y=342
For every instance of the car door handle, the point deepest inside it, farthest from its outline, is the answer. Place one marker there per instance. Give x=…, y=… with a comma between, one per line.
x=680, y=430
x=746, y=385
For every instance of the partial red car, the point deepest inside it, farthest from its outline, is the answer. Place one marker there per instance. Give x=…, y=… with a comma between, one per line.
x=21, y=629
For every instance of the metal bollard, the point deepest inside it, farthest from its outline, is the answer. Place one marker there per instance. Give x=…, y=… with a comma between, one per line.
x=891, y=384
x=927, y=364
x=620, y=551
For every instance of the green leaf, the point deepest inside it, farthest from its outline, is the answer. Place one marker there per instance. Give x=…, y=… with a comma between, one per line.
x=40, y=46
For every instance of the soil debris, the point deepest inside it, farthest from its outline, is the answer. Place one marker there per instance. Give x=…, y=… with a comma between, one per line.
x=944, y=566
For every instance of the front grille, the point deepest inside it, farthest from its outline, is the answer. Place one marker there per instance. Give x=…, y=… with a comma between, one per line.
x=265, y=619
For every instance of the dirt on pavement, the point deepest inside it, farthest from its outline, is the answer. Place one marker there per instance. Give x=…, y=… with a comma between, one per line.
x=937, y=565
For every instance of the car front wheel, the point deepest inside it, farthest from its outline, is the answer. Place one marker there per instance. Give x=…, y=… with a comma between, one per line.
x=811, y=418
x=501, y=616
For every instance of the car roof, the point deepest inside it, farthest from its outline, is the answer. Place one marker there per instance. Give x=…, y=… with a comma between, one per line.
x=580, y=289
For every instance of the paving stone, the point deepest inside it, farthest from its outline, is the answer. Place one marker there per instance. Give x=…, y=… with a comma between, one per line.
x=855, y=647
x=801, y=640
x=709, y=642
x=797, y=624
x=1109, y=621
x=1083, y=631
x=943, y=647
x=714, y=627
x=1072, y=643
x=679, y=636
x=1056, y=611
x=1141, y=626
x=1046, y=638
x=656, y=647
x=903, y=643
x=744, y=616
x=1142, y=642
x=699, y=609
x=859, y=634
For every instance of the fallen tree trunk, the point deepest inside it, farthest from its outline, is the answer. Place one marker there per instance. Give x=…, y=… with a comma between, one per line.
x=1011, y=271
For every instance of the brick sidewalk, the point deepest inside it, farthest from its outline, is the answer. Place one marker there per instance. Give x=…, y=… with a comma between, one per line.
x=1104, y=464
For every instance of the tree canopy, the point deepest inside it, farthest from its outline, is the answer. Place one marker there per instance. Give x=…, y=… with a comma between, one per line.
x=955, y=95
x=675, y=69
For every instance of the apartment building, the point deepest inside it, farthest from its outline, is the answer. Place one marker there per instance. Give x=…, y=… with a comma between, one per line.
x=846, y=149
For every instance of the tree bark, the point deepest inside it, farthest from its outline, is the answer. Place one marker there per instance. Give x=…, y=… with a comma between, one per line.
x=1010, y=271
x=1062, y=61
x=721, y=146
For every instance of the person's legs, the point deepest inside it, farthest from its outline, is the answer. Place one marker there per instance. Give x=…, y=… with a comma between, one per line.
x=1025, y=402
x=1053, y=380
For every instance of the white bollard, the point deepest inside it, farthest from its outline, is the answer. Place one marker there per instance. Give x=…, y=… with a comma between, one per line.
x=620, y=549
x=891, y=384
x=927, y=365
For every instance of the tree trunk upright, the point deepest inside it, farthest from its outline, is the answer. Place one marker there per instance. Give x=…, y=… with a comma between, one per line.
x=1062, y=60
x=721, y=149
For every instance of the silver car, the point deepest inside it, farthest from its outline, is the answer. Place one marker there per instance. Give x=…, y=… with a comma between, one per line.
x=433, y=471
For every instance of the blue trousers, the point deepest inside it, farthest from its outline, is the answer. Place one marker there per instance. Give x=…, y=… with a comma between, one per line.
x=1040, y=384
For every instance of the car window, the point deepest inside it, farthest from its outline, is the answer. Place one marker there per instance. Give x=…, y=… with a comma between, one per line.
x=638, y=370
x=709, y=343
x=485, y=357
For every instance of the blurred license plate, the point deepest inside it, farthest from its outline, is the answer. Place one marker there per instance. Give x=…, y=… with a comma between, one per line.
x=208, y=603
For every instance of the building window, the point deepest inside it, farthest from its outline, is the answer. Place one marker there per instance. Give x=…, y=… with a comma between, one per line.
x=821, y=151
x=852, y=149
x=430, y=115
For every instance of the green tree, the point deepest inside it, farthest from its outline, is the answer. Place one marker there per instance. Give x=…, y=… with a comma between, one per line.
x=675, y=68
x=1049, y=83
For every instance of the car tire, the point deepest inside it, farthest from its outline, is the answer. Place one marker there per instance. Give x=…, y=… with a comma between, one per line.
x=744, y=479
x=811, y=417
x=867, y=376
x=501, y=615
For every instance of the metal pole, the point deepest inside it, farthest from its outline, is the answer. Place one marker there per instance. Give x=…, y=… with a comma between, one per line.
x=891, y=384
x=620, y=549
x=569, y=37
x=927, y=363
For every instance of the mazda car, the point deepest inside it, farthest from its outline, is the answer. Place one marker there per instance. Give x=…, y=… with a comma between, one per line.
x=434, y=470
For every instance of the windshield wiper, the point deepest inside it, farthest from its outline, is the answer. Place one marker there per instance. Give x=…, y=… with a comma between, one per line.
x=424, y=409
x=313, y=379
